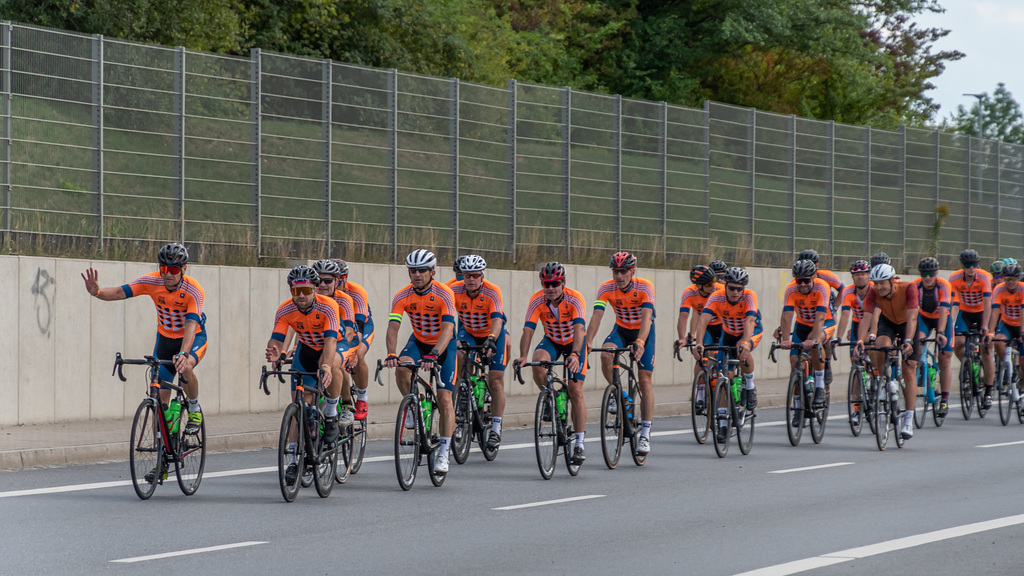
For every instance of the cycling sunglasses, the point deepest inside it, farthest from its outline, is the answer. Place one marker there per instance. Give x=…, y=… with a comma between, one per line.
x=553, y=284
x=170, y=269
x=734, y=288
x=303, y=290
x=420, y=270
x=928, y=274
x=805, y=280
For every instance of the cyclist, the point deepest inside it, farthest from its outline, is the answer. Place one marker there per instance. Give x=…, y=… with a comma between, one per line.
x=348, y=340
x=891, y=312
x=1005, y=321
x=457, y=268
x=694, y=298
x=181, y=322
x=852, y=307
x=482, y=322
x=364, y=324
x=431, y=308
x=972, y=301
x=835, y=291
x=934, y=299
x=879, y=258
x=314, y=318
x=735, y=306
x=632, y=300
x=719, y=268
x=806, y=298
x=996, y=270
x=562, y=311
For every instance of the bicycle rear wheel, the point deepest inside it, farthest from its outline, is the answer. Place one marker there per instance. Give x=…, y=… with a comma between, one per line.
x=868, y=406
x=819, y=418
x=485, y=419
x=636, y=421
x=1005, y=402
x=358, y=444
x=462, y=436
x=146, y=455
x=855, y=407
x=723, y=395
x=545, y=438
x=899, y=412
x=611, y=427
x=435, y=478
x=290, y=450
x=570, y=438
x=699, y=415
x=921, y=402
x=881, y=414
x=407, y=442
x=794, y=410
x=744, y=429
x=189, y=467
x=966, y=390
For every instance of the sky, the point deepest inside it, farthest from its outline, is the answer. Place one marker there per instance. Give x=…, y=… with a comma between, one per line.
x=991, y=34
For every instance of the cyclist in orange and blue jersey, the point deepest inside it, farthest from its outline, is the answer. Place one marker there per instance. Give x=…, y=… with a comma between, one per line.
x=694, y=298
x=1005, y=323
x=562, y=312
x=431, y=308
x=348, y=339
x=852, y=301
x=807, y=299
x=972, y=301
x=181, y=322
x=934, y=302
x=457, y=268
x=482, y=323
x=364, y=325
x=719, y=268
x=632, y=300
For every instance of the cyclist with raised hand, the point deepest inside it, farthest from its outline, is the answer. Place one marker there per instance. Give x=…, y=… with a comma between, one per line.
x=364, y=325
x=735, y=306
x=972, y=301
x=1005, y=321
x=996, y=270
x=562, y=311
x=694, y=298
x=632, y=300
x=719, y=268
x=457, y=268
x=314, y=318
x=431, y=308
x=181, y=322
x=348, y=340
x=482, y=323
x=806, y=298
x=891, y=312
x=935, y=300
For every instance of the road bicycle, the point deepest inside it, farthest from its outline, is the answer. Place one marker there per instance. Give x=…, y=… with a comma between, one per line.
x=416, y=429
x=620, y=409
x=860, y=392
x=890, y=397
x=700, y=394
x=730, y=400
x=1009, y=384
x=927, y=396
x=800, y=407
x=972, y=382
x=158, y=437
x=552, y=419
x=472, y=405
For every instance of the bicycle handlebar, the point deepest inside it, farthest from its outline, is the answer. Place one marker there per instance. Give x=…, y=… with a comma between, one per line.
x=435, y=372
x=517, y=369
x=151, y=361
x=777, y=346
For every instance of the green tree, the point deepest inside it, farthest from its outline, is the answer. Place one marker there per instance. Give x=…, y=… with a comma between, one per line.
x=1002, y=118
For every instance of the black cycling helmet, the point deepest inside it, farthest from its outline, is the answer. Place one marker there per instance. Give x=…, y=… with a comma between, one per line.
x=718, y=267
x=860, y=266
x=702, y=275
x=969, y=257
x=173, y=254
x=343, y=267
x=928, y=264
x=1011, y=271
x=303, y=274
x=879, y=258
x=804, y=269
x=737, y=275
x=622, y=260
x=328, y=267
x=457, y=267
x=809, y=254
x=552, y=272
x=997, y=268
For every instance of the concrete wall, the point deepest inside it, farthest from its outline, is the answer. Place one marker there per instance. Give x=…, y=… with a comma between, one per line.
x=58, y=348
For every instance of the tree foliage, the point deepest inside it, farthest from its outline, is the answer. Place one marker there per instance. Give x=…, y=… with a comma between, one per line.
x=1002, y=118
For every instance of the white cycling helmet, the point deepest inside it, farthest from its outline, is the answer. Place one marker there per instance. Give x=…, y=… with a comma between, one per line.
x=882, y=272
x=421, y=259
x=473, y=263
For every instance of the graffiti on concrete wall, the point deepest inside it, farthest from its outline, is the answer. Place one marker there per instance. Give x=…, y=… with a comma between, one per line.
x=43, y=291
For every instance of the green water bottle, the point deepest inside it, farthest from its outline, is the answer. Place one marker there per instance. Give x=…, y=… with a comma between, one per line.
x=736, y=387
x=975, y=367
x=427, y=407
x=560, y=401
x=172, y=415
x=479, y=390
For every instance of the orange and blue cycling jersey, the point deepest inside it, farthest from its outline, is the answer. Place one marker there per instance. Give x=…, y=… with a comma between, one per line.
x=831, y=279
x=969, y=295
x=628, y=304
x=451, y=281
x=1008, y=304
x=929, y=301
x=312, y=327
x=805, y=306
x=853, y=303
x=693, y=300
x=361, y=300
x=733, y=316
x=172, y=308
x=476, y=314
x=558, y=319
x=427, y=311
x=346, y=308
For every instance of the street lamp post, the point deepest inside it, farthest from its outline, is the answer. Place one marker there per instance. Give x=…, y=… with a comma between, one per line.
x=981, y=131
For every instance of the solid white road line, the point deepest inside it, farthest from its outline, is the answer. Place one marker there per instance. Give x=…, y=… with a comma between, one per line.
x=805, y=564
x=1002, y=444
x=187, y=552
x=819, y=467
x=546, y=502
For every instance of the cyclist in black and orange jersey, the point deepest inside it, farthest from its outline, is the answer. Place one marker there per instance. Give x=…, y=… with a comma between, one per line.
x=632, y=300
x=935, y=300
x=719, y=268
x=364, y=325
x=562, y=311
x=431, y=308
x=807, y=299
x=482, y=323
x=348, y=339
x=972, y=301
x=1005, y=321
x=181, y=322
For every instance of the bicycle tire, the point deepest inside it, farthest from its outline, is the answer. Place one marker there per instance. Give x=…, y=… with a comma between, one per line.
x=1015, y=382
x=462, y=436
x=900, y=414
x=745, y=429
x=1005, y=402
x=287, y=454
x=485, y=419
x=921, y=402
x=436, y=479
x=146, y=451
x=545, y=437
x=699, y=418
x=794, y=395
x=723, y=395
x=407, y=442
x=637, y=423
x=979, y=398
x=570, y=438
x=346, y=447
x=611, y=428
x=881, y=415
x=819, y=418
x=192, y=460
x=855, y=387
x=326, y=467
x=966, y=390
x=358, y=445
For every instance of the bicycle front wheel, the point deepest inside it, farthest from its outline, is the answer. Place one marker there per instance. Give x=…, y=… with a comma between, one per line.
x=611, y=426
x=1005, y=402
x=326, y=466
x=881, y=414
x=570, y=438
x=744, y=429
x=636, y=421
x=723, y=422
x=146, y=455
x=794, y=407
x=545, y=438
x=407, y=442
x=921, y=402
x=346, y=446
x=700, y=399
x=189, y=468
x=290, y=452
x=899, y=413
x=966, y=389
x=855, y=401
x=358, y=444
x=819, y=418
x=462, y=436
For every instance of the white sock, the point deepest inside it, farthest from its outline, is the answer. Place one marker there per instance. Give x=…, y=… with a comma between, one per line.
x=819, y=378
x=496, y=424
x=193, y=405
x=445, y=442
x=645, y=430
x=579, y=438
x=332, y=407
x=360, y=394
x=291, y=452
x=700, y=392
x=748, y=381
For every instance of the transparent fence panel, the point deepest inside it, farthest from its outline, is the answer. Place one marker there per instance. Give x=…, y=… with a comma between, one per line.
x=731, y=190
x=886, y=194
x=776, y=207
x=813, y=183
x=642, y=180
x=687, y=207
x=594, y=182
x=850, y=217
x=954, y=180
x=542, y=168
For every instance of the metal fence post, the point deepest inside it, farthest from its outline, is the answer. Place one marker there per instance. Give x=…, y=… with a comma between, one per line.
x=707, y=171
x=6, y=30
x=967, y=192
x=902, y=130
x=618, y=172
x=454, y=151
x=179, y=126
x=935, y=193
x=393, y=157
x=97, y=122
x=792, y=184
x=867, y=188
x=256, y=88
x=663, y=158
x=567, y=165
x=832, y=191
x=326, y=118
x=999, y=202
x=751, y=179
x=512, y=119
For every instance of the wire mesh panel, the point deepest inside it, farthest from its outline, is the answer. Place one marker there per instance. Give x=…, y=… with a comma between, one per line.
x=984, y=200
x=921, y=195
x=813, y=183
x=1011, y=195
x=953, y=188
x=731, y=169
x=541, y=169
x=594, y=191
x=687, y=212
x=886, y=193
x=642, y=179
x=851, y=225
x=775, y=205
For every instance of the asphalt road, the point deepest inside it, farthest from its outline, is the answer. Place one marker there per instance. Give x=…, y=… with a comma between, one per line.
x=942, y=505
